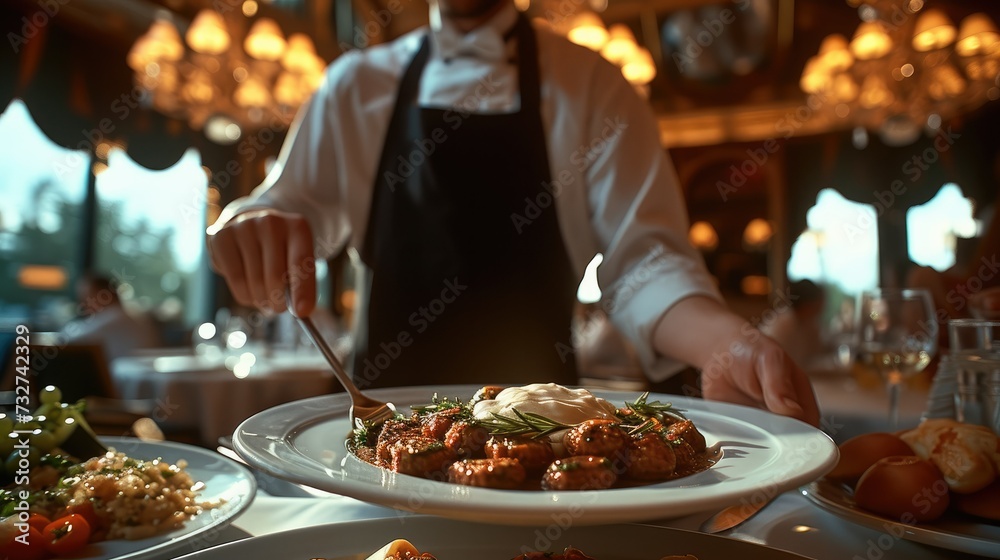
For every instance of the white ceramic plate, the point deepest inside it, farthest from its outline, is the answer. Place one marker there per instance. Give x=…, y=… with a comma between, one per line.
x=954, y=532
x=454, y=540
x=224, y=480
x=763, y=454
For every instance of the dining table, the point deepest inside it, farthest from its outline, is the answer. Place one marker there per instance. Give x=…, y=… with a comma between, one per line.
x=209, y=394
x=791, y=523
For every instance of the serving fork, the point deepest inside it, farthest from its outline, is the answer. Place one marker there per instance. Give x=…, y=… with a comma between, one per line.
x=364, y=408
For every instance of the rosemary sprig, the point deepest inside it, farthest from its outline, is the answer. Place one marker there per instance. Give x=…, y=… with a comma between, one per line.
x=656, y=409
x=648, y=425
x=440, y=404
x=523, y=424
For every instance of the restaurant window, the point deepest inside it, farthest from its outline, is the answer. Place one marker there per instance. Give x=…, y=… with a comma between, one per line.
x=150, y=235
x=840, y=245
x=42, y=190
x=934, y=228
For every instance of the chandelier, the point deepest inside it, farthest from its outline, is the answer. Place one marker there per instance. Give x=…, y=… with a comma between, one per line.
x=905, y=69
x=617, y=44
x=229, y=76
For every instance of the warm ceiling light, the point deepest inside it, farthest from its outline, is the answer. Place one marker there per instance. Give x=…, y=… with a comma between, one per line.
x=250, y=8
x=167, y=40
x=874, y=93
x=977, y=36
x=160, y=43
x=265, y=41
x=933, y=31
x=844, y=88
x=251, y=93
x=815, y=77
x=140, y=55
x=703, y=236
x=291, y=89
x=588, y=30
x=834, y=53
x=757, y=233
x=640, y=68
x=755, y=285
x=208, y=34
x=198, y=90
x=947, y=83
x=870, y=41
x=621, y=45
x=300, y=55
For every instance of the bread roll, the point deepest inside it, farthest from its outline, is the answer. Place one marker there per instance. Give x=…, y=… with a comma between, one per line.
x=861, y=452
x=968, y=455
x=907, y=489
x=984, y=503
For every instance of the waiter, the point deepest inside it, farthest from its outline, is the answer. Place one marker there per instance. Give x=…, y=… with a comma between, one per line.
x=476, y=167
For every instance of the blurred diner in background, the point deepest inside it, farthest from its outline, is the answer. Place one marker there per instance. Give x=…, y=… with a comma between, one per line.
x=823, y=148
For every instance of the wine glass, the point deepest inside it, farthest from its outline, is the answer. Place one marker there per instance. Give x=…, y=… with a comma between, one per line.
x=897, y=337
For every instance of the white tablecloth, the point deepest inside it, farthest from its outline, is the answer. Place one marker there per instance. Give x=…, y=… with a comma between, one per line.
x=790, y=523
x=213, y=397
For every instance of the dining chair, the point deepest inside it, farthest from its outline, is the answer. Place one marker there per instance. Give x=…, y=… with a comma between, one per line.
x=81, y=371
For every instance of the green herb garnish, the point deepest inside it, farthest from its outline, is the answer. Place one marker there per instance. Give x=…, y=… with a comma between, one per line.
x=523, y=424
x=656, y=409
x=442, y=404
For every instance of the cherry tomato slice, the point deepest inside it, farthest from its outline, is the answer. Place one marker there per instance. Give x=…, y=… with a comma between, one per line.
x=86, y=509
x=39, y=521
x=24, y=546
x=66, y=534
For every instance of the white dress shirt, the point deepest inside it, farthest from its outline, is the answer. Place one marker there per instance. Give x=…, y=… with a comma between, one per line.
x=615, y=188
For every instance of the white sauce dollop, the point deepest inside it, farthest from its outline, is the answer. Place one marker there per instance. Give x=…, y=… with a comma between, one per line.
x=562, y=404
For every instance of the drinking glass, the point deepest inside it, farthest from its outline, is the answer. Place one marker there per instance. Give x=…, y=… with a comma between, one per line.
x=897, y=337
x=975, y=362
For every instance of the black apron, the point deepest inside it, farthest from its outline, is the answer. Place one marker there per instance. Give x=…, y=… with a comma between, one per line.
x=468, y=277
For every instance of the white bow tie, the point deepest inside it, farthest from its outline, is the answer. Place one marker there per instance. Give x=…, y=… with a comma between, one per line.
x=485, y=45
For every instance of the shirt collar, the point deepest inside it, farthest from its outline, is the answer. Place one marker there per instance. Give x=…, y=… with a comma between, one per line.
x=486, y=42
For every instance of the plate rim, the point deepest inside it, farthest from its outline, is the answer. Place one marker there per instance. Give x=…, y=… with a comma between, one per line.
x=173, y=544
x=286, y=420
x=428, y=522
x=957, y=542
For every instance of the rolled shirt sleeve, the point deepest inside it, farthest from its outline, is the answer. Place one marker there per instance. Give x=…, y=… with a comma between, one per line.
x=640, y=220
x=304, y=179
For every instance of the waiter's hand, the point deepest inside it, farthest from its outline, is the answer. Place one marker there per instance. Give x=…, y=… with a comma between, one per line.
x=751, y=369
x=261, y=254
x=739, y=364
